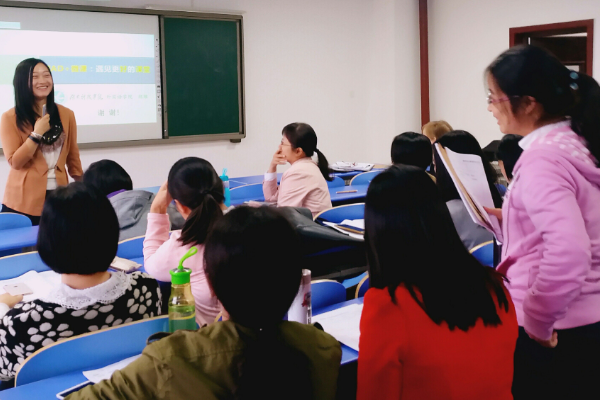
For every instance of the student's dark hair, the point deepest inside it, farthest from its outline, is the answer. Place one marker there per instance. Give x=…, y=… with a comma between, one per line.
x=464, y=143
x=24, y=99
x=79, y=230
x=194, y=183
x=303, y=136
x=532, y=71
x=404, y=214
x=108, y=177
x=411, y=148
x=509, y=152
x=243, y=264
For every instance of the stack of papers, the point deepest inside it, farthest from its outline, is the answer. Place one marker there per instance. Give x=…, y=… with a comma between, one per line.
x=352, y=227
x=468, y=175
x=40, y=283
x=343, y=324
x=342, y=166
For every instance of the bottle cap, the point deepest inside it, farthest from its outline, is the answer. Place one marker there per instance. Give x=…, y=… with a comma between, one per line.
x=224, y=176
x=180, y=275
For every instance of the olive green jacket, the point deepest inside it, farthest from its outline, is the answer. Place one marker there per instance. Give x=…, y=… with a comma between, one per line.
x=202, y=364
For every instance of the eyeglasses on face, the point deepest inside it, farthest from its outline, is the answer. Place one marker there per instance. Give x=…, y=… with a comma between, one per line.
x=491, y=100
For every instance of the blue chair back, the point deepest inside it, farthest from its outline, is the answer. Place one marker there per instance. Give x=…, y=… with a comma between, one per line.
x=348, y=283
x=365, y=178
x=326, y=293
x=362, y=287
x=338, y=214
x=17, y=265
x=484, y=253
x=13, y=221
x=247, y=192
x=90, y=350
x=336, y=182
x=131, y=248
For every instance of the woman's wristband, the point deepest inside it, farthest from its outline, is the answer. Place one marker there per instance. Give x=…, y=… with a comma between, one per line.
x=35, y=139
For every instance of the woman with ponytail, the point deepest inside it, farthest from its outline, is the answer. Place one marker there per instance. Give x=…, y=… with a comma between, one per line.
x=198, y=193
x=551, y=221
x=304, y=184
x=253, y=355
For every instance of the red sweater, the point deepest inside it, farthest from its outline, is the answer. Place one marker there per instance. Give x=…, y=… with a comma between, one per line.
x=405, y=355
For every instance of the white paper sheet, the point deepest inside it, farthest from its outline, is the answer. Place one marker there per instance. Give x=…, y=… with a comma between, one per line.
x=469, y=170
x=52, y=277
x=36, y=283
x=97, y=375
x=335, y=226
x=343, y=324
x=357, y=223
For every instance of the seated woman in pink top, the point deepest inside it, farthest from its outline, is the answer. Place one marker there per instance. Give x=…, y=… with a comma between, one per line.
x=304, y=184
x=198, y=194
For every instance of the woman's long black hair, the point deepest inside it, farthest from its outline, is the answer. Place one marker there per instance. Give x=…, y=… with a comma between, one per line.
x=532, y=71
x=303, y=136
x=404, y=215
x=24, y=100
x=464, y=143
x=194, y=183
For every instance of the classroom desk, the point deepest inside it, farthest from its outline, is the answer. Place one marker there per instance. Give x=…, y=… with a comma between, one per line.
x=336, y=198
x=48, y=388
x=11, y=239
x=250, y=180
x=232, y=184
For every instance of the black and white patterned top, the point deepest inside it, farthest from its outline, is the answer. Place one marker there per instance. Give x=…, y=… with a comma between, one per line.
x=66, y=312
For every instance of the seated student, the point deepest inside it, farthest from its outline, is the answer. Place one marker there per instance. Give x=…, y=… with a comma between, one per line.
x=463, y=142
x=254, y=355
x=305, y=183
x=411, y=148
x=198, y=193
x=131, y=206
x=89, y=297
x=435, y=324
x=508, y=154
x=436, y=129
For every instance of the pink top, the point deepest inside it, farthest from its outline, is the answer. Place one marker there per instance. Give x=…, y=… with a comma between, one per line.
x=551, y=229
x=302, y=185
x=162, y=254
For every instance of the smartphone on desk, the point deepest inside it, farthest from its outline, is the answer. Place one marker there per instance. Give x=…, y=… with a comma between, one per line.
x=15, y=289
x=73, y=389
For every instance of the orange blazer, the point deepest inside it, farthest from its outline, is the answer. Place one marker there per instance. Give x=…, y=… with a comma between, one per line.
x=26, y=186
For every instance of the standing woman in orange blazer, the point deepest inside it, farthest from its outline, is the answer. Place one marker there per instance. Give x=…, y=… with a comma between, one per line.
x=37, y=146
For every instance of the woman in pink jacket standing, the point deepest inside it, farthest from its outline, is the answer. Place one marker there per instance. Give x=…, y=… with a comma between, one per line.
x=551, y=221
x=198, y=193
x=305, y=183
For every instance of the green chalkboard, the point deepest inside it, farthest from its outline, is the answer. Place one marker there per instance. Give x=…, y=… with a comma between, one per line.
x=202, y=73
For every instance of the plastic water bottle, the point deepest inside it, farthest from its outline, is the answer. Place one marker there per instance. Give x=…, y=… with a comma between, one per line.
x=301, y=308
x=182, y=307
x=226, y=191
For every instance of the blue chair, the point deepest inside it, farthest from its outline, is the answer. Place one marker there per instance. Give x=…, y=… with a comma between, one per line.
x=340, y=213
x=90, y=350
x=18, y=264
x=484, y=253
x=348, y=283
x=326, y=293
x=247, y=192
x=365, y=178
x=131, y=248
x=13, y=221
x=336, y=182
x=362, y=287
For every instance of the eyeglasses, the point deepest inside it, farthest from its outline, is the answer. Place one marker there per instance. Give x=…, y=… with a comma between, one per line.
x=491, y=100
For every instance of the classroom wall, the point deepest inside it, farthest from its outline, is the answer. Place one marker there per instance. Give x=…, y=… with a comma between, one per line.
x=464, y=38
x=334, y=64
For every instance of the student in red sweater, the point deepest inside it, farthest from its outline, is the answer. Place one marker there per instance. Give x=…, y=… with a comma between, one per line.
x=436, y=324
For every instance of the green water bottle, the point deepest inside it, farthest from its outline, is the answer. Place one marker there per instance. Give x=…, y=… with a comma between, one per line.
x=182, y=307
